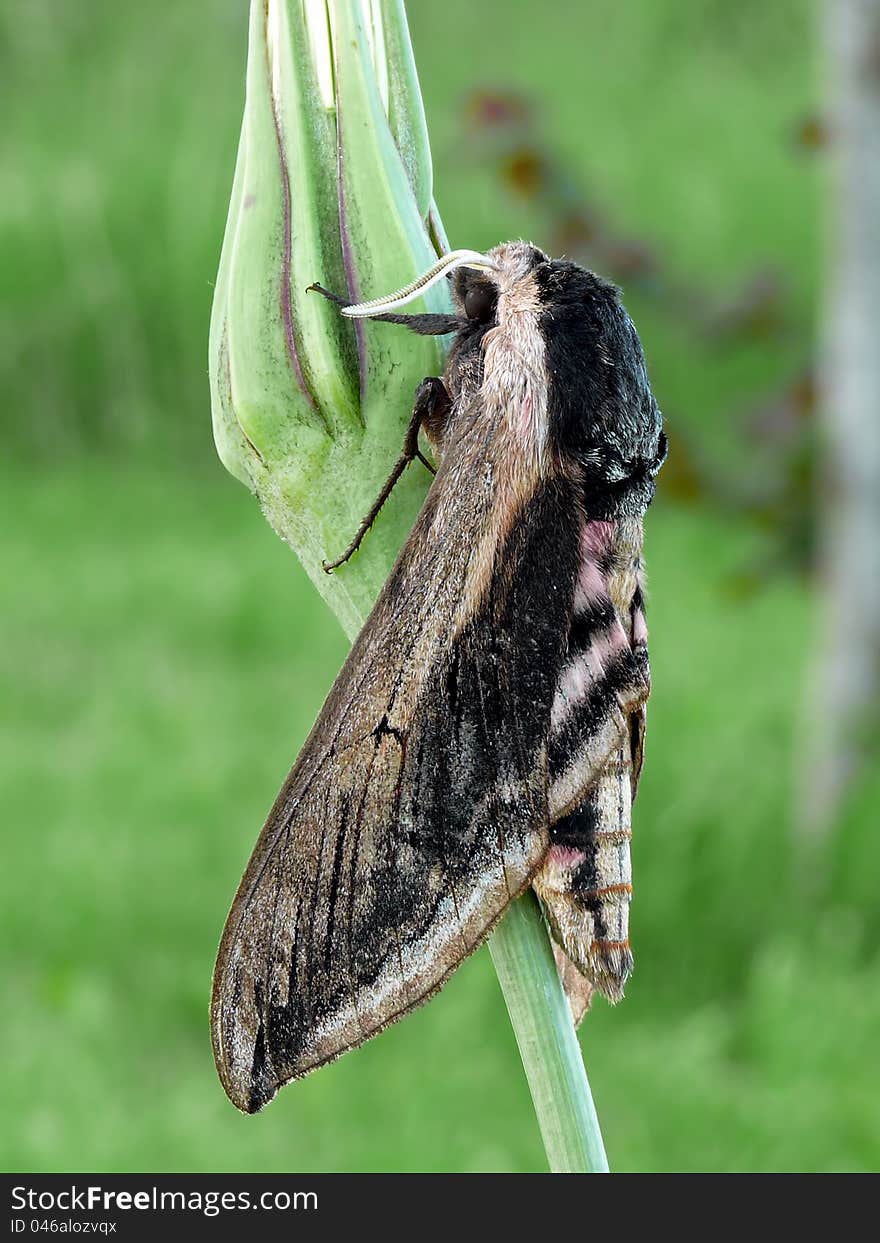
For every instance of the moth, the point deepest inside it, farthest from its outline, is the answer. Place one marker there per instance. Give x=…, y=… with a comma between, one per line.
x=486, y=731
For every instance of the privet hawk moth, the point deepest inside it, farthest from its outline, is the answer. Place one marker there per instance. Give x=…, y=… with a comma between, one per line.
x=486, y=731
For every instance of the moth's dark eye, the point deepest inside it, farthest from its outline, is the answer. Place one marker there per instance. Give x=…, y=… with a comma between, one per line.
x=480, y=302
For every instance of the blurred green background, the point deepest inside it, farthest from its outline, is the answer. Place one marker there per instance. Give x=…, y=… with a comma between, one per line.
x=163, y=655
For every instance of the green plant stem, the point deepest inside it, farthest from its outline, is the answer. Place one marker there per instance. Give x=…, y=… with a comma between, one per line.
x=548, y=1044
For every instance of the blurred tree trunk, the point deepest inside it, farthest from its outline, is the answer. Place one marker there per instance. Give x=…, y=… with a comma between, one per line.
x=846, y=677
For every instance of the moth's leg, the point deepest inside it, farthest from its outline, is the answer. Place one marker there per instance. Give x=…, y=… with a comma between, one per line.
x=431, y=408
x=328, y=294
x=436, y=405
x=426, y=325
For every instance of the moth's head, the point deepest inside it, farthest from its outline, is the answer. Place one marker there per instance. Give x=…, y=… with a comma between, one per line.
x=504, y=285
x=517, y=280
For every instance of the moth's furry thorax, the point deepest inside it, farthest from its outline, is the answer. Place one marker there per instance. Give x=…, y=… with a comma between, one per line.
x=549, y=348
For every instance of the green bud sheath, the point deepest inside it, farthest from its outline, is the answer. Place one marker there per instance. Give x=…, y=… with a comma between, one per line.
x=332, y=184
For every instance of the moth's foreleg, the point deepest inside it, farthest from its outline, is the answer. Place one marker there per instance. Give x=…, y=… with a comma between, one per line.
x=431, y=408
x=426, y=325
x=434, y=405
x=328, y=294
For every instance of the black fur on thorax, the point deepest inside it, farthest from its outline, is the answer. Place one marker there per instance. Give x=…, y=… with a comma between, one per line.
x=602, y=414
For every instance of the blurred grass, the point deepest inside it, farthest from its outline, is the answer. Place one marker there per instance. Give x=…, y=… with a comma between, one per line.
x=164, y=657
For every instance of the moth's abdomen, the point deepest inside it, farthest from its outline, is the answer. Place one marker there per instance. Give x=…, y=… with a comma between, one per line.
x=585, y=883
